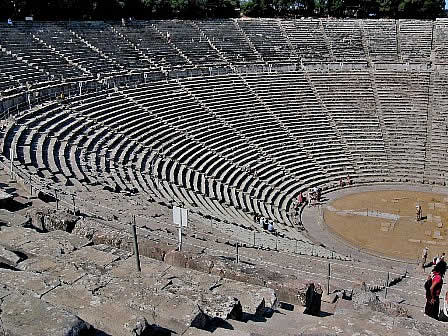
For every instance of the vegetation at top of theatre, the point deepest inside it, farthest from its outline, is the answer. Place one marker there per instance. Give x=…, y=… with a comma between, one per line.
x=115, y=9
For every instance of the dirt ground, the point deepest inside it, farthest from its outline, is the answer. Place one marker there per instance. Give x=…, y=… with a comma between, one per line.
x=402, y=238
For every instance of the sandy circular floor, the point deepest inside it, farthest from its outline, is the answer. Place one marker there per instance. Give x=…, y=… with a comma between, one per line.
x=384, y=222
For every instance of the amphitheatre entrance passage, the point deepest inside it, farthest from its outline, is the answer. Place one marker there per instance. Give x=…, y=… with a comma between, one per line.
x=384, y=222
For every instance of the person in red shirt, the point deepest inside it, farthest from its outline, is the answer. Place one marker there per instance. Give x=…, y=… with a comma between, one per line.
x=300, y=198
x=433, y=287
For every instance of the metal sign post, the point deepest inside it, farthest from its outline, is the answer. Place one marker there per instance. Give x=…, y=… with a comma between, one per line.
x=180, y=217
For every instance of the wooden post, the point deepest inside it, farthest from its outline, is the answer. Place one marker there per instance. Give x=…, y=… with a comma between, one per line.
x=11, y=159
x=31, y=186
x=276, y=241
x=137, y=256
x=328, y=278
x=237, y=253
x=74, y=205
x=387, y=285
x=254, y=239
x=179, y=246
x=56, y=197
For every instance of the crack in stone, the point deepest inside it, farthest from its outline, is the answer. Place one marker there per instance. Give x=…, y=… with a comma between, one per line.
x=51, y=289
x=96, y=289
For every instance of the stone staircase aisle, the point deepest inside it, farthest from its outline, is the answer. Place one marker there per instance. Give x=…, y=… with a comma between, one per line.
x=386, y=139
x=249, y=42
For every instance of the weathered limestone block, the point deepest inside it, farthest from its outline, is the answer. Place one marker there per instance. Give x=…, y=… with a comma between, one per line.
x=47, y=219
x=172, y=300
x=66, y=271
x=54, y=243
x=13, y=219
x=91, y=259
x=27, y=282
x=201, y=263
x=177, y=258
x=362, y=296
x=212, y=291
x=153, y=250
x=289, y=289
x=8, y=257
x=27, y=315
x=101, y=235
x=254, y=299
x=139, y=326
x=110, y=316
x=229, y=270
x=15, y=237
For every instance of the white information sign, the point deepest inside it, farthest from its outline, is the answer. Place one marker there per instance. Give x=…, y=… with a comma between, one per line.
x=180, y=216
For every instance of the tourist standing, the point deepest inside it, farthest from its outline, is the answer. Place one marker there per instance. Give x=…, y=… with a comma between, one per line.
x=418, y=212
x=433, y=287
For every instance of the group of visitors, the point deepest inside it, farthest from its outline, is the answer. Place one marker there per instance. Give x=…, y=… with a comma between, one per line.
x=345, y=182
x=314, y=195
x=433, y=287
x=266, y=224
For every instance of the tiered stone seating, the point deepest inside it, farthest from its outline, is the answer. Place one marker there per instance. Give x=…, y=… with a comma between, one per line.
x=290, y=97
x=230, y=145
x=440, y=43
x=267, y=39
x=403, y=98
x=31, y=140
x=345, y=40
x=107, y=42
x=185, y=36
x=153, y=44
x=119, y=113
x=230, y=99
x=437, y=169
x=349, y=99
x=73, y=49
x=230, y=41
x=381, y=36
x=24, y=46
x=308, y=38
x=14, y=72
x=415, y=38
x=220, y=159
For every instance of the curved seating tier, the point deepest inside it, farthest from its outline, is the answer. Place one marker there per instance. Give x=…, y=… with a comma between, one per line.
x=41, y=51
x=235, y=145
x=239, y=145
